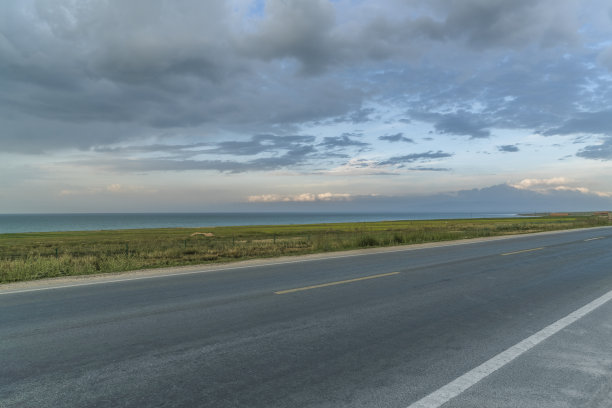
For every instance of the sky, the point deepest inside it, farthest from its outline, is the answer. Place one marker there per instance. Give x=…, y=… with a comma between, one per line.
x=189, y=105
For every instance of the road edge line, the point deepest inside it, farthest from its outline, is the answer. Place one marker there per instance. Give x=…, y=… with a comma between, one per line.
x=472, y=377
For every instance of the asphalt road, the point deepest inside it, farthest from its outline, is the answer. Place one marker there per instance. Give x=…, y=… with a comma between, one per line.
x=369, y=330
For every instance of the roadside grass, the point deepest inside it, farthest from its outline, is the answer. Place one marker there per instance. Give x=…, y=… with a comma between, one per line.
x=29, y=256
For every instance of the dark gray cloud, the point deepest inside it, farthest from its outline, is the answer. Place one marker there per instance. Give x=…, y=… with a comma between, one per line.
x=153, y=70
x=258, y=144
x=461, y=123
x=585, y=122
x=514, y=93
x=357, y=116
x=416, y=157
x=292, y=158
x=361, y=116
x=262, y=144
x=495, y=23
x=342, y=141
x=175, y=151
x=279, y=152
x=115, y=71
x=508, y=148
x=601, y=151
x=302, y=30
x=398, y=137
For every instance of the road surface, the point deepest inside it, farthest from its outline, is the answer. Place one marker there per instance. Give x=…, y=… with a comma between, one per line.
x=359, y=330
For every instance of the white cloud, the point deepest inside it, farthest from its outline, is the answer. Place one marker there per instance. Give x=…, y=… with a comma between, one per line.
x=582, y=190
x=556, y=184
x=304, y=197
x=532, y=183
x=115, y=188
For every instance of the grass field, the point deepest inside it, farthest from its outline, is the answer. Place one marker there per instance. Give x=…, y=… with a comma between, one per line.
x=31, y=256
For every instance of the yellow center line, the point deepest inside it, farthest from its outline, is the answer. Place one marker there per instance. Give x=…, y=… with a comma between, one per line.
x=382, y=275
x=593, y=239
x=524, y=250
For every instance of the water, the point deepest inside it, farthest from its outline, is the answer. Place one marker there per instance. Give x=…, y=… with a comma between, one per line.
x=15, y=223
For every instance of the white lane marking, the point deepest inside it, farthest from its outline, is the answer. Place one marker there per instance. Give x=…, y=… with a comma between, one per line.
x=522, y=251
x=593, y=239
x=458, y=386
x=409, y=248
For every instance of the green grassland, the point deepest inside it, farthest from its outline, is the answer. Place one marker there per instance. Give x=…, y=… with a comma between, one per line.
x=30, y=256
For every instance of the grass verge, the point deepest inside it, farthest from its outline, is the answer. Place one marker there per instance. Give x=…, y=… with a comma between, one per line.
x=31, y=256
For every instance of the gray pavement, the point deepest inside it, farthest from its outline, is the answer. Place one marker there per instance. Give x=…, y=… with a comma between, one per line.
x=225, y=339
x=571, y=369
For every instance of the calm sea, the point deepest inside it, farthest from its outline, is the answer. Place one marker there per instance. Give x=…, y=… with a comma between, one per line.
x=13, y=223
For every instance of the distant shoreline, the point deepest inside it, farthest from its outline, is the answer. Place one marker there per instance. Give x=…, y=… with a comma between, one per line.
x=26, y=223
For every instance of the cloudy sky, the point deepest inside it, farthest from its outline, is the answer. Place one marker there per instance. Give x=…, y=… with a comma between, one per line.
x=189, y=105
